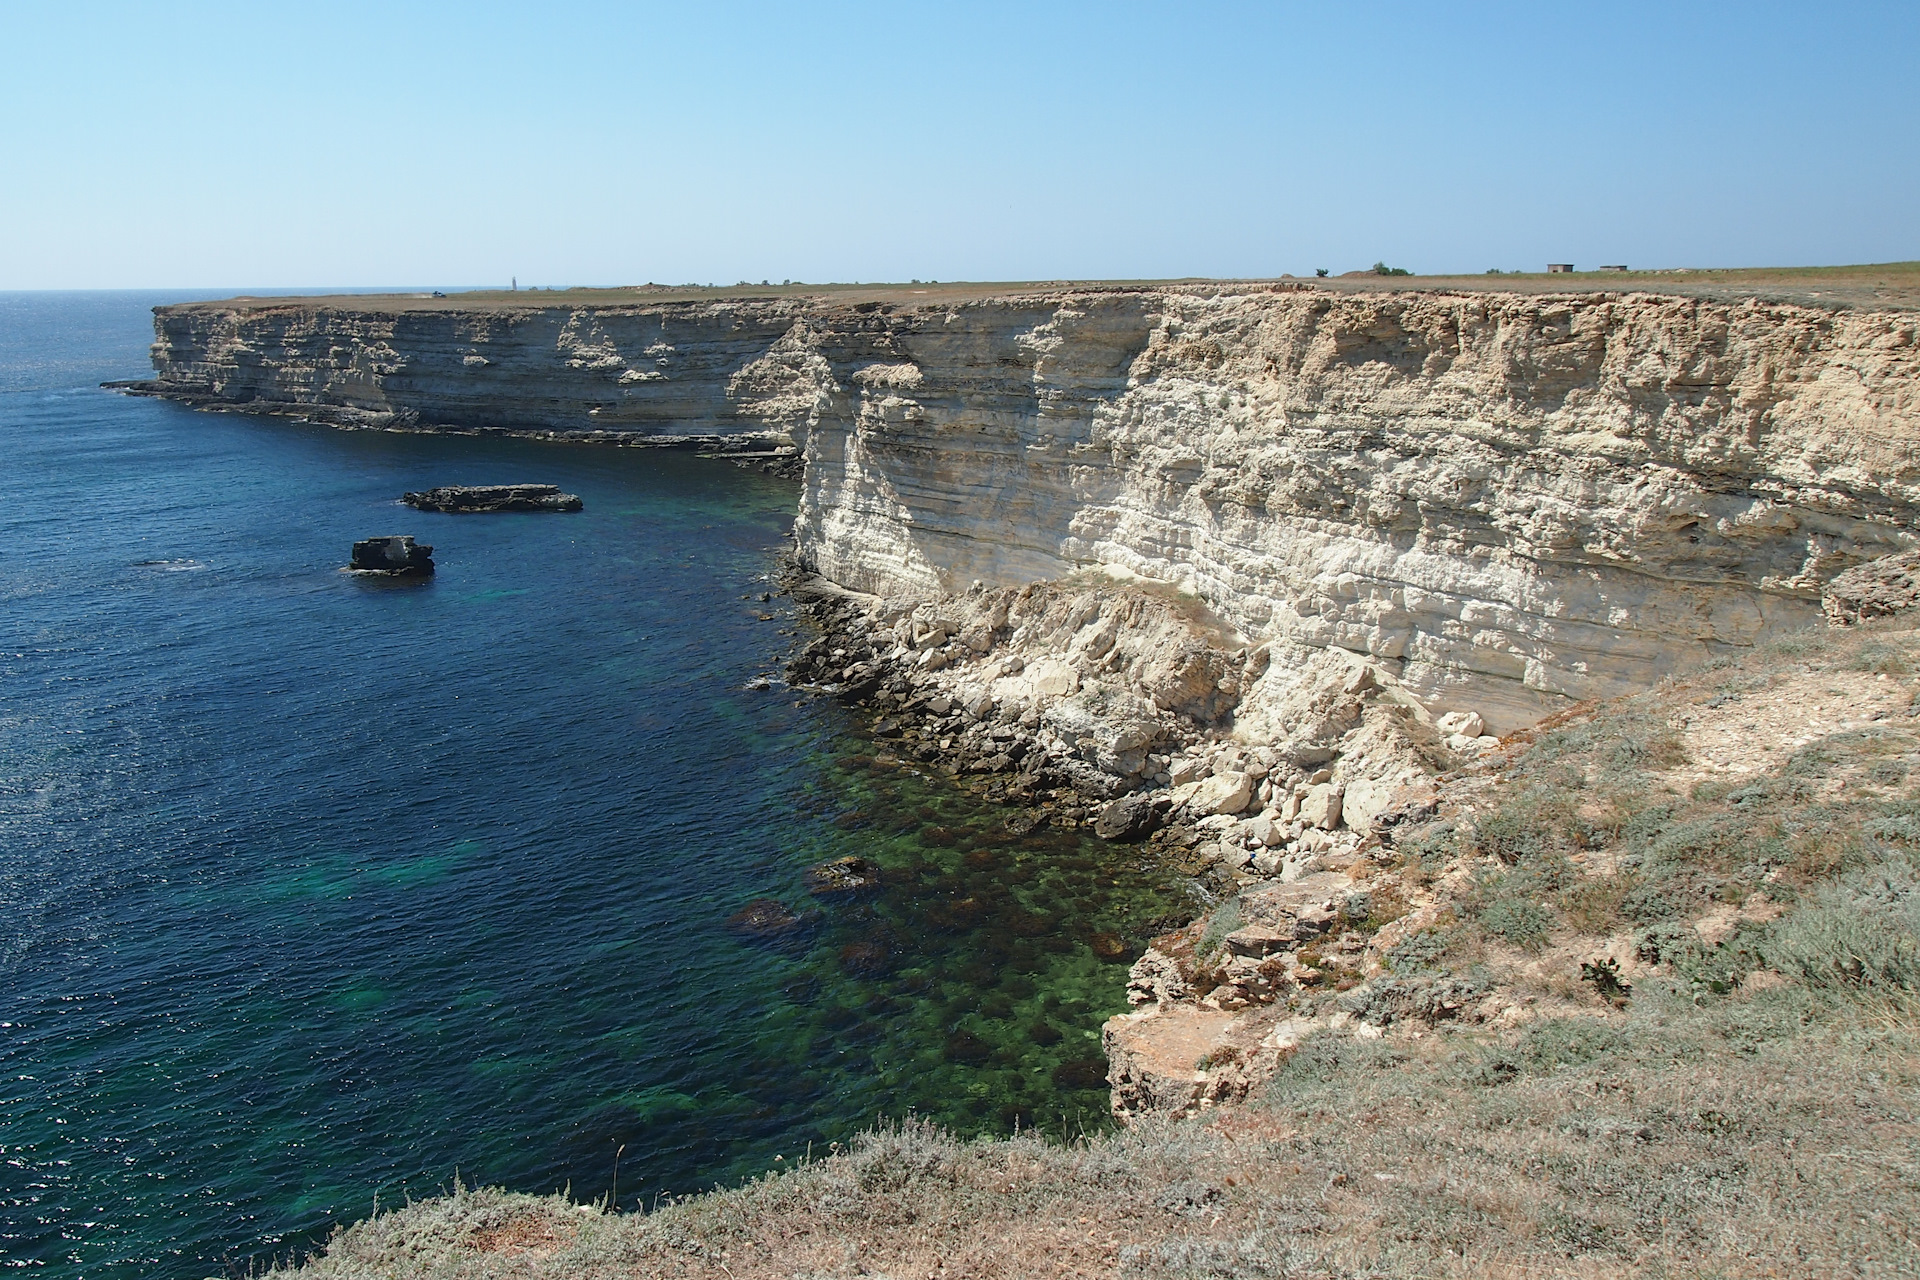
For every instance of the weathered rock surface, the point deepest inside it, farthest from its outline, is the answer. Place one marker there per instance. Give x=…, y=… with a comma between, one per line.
x=493, y=497
x=1505, y=501
x=1130, y=817
x=392, y=554
x=1883, y=588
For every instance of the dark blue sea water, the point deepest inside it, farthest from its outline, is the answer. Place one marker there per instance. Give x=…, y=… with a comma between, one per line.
x=314, y=890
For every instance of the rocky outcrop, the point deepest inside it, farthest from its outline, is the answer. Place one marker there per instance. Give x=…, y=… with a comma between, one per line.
x=397, y=554
x=1880, y=589
x=1506, y=502
x=1510, y=503
x=663, y=373
x=492, y=497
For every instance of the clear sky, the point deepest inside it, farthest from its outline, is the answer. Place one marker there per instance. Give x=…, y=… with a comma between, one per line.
x=269, y=144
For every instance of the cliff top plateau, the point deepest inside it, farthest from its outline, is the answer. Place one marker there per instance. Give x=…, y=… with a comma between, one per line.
x=1882, y=285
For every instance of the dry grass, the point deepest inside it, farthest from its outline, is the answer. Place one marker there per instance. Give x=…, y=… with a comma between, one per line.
x=1769, y=1135
x=1893, y=284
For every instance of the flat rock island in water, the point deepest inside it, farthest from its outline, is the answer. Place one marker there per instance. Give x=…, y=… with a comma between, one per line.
x=462, y=498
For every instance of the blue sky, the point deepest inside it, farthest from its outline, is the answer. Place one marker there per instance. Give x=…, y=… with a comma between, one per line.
x=211, y=146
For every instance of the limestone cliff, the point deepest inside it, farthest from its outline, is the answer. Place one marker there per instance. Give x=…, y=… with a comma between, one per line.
x=1503, y=501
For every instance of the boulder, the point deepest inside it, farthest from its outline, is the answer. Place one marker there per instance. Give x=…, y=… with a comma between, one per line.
x=843, y=877
x=1187, y=769
x=1260, y=941
x=1364, y=800
x=1130, y=817
x=1155, y=1058
x=1321, y=808
x=1222, y=793
x=765, y=920
x=462, y=498
x=396, y=553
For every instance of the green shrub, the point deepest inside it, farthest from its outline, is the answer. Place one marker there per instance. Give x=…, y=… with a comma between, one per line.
x=1420, y=953
x=1799, y=644
x=897, y=1155
x=1519, y=920
x=1567, y=1042
x=1859, y=936
x=1547, y=1047
x=1226, y=918
x=1532, y=823
x=1889, y=773
x=1716, y=969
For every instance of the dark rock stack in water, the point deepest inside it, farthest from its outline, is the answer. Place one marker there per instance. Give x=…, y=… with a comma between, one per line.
x=462, y=498
x=393, y=555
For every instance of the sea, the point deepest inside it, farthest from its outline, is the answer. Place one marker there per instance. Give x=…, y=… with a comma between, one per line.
x=320, y=893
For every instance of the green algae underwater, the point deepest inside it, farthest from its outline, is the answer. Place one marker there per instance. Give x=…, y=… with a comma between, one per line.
x=316, y=894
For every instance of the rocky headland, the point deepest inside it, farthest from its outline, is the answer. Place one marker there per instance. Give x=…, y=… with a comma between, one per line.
x=1245, y=571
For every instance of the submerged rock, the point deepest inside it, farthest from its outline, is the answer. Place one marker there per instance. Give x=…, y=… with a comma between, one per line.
x=393, y=554
x=764, y=919
x=461, y=498
x=842, y=877
x=874, y=957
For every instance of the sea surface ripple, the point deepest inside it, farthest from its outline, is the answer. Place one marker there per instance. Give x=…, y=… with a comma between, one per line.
x=315, y=890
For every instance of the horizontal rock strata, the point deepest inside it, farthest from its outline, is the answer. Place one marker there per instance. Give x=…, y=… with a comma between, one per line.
x=1508, y=502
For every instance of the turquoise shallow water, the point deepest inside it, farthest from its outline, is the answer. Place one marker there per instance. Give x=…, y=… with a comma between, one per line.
x=314, y=891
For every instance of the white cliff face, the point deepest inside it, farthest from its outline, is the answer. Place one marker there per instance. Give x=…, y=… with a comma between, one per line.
x=1502, y=502
x=1507, y=501
x=625, y=370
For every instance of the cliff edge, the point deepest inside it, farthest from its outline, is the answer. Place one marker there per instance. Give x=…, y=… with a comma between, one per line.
x=1506, y=501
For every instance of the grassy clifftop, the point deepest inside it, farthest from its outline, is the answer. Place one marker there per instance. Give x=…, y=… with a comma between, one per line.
x=1701, y=907
x=1871, y=285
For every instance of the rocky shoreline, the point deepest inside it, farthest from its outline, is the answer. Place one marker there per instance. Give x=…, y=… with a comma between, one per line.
x=1237, y=573
x=1038, y=698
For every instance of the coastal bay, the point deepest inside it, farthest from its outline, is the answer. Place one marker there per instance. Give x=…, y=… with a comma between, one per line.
x=318, y=890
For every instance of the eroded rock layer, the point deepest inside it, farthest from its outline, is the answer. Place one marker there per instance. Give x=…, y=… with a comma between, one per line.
x=1503, y=502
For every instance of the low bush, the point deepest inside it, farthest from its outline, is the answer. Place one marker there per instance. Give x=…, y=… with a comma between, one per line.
x=1226, y=919
x=1860, y=936
x=1419, y=952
